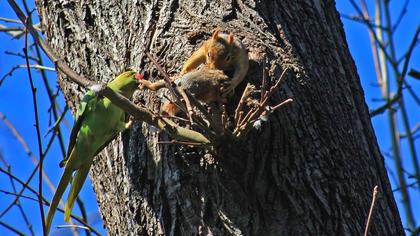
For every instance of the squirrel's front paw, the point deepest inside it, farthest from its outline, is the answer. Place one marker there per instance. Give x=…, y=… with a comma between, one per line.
x=225, y=84
x=228, y=91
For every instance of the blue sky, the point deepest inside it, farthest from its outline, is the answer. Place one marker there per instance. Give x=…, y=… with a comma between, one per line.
x=359, y=44
x=16, y=104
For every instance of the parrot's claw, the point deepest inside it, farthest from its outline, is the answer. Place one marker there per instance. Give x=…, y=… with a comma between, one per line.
x=129, y=124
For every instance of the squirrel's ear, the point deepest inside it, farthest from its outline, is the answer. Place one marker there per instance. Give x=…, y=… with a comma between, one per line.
x=230, y=38
x=216, y=33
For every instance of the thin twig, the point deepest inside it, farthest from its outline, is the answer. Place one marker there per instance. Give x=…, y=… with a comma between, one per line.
x=199, y=121
x=245, y=119
x=414, y=73
x=72, y=226
x=24, y=184
x=51, y=97
x=10, y=20
x=280, y=104
x=14, y=32
x=380, y=43
x=25, y=146
x=18, y=203
x=49, y=51
x=262, y=109
x=401, y=15
x=39, y=67
x=190, y=111
x=371, y=210
x=18, y=54
x=177, y=103
x=224, y=118
x=263, y=104
x=264, y=82
x=178, y=92
x=10, y=72
x=20, y=196
x=180, y=142
x=38, y=132
x=400, y=78
x=247, y=124
x=359, y=19
x=118, y=99
x=412, y=131
x=207, y=116
x=9, y=227
x=49, y=144
x=411, y=185
x=55, y=127
x=166, y=77
x=82, y=209
x=176, y=118
x=247, y=92
x=45, y=201
x=145, y=115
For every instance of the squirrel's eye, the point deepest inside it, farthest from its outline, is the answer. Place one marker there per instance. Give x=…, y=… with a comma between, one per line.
x=208, y=54
x=228, y=57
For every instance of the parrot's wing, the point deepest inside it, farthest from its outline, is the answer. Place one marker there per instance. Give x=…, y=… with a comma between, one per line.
x=78, y=181
x=82, y=172
x=89, y=101
x=105, y=144
x=124, y=118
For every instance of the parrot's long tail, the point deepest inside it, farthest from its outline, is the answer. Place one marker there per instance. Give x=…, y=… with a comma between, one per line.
x=77, y=184
x=64, y=181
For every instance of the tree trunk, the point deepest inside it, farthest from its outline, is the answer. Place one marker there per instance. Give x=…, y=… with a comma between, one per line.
x=309, y=170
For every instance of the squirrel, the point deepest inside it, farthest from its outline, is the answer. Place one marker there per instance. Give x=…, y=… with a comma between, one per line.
x=205, y=84
x=223, y=52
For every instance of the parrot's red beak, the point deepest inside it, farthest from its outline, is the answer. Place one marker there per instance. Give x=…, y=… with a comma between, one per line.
x=139, y=76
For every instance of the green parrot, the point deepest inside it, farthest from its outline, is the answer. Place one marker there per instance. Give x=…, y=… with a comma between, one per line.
x=98, y=122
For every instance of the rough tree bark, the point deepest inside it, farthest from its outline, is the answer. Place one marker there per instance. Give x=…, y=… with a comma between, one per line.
x=310, y=170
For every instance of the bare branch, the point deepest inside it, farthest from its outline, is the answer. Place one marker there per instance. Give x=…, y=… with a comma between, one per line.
x=414, y=73
x=38, y=132
x=259, y=112
x=119, y=100
x=145, y=115
x=25, y=146
x=371, y=210
x=10, y=20
x=363, y=20
x=18, y=203
x=401, y=79
x=48, y=50
x=44, y=201
x=9, y=227
x=401, y=15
